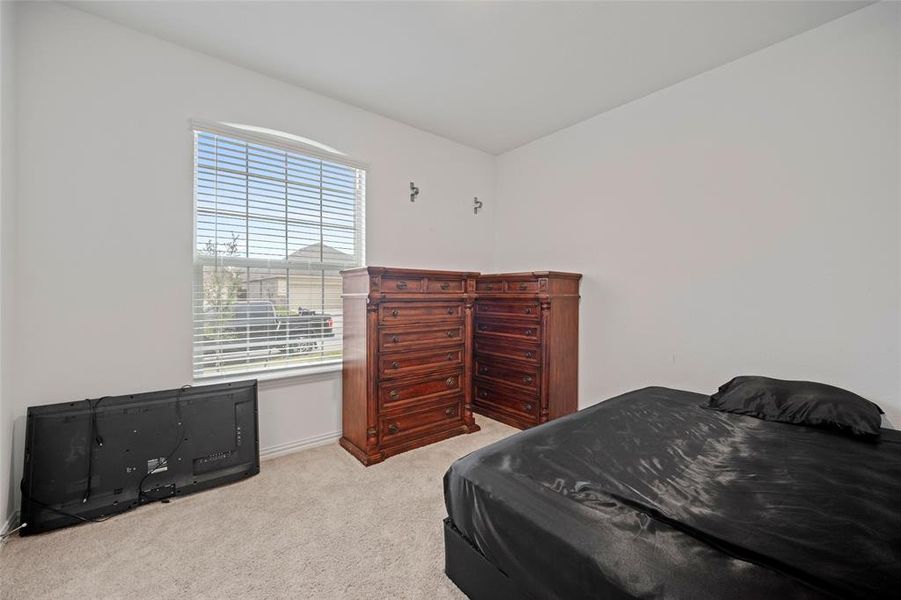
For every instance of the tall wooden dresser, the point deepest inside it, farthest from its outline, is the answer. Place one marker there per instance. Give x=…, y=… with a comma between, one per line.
x=526, y=347
x=407, y=373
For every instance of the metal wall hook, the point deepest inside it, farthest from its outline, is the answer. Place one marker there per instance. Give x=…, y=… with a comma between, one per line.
x=414, y=191
x=476, y=205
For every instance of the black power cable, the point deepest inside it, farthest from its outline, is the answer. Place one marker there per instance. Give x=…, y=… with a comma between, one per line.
x=165, y=462
x=64, y=513
x=94, y=437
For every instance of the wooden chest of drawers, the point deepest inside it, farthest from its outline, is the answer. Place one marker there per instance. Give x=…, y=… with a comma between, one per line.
x=526, y=347
x=407, y=359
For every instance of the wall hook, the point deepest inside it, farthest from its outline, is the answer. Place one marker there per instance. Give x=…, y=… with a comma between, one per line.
x=476, y=205
x=414, y=191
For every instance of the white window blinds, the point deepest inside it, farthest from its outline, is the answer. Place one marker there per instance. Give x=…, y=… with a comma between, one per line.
x=273, y=226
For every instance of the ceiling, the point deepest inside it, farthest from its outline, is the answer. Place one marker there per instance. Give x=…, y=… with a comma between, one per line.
x=492, y=75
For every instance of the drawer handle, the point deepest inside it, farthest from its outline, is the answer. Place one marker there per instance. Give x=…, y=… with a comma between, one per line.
x=523, y=286
x=393, y=428
x=483, y=394
x=529, y=355
x=489, y=287
x=483, y=369
x=483, y=328
x=395, y=365
x=527, y=379
x=529, y=332
x=401, y=285
x=445, y=285
x=395, y=312
x=450, y=381
x=450, y=311
x=450, y=356
x=450, y=411
x=394, y=394
x=528, y=310
x=451, y=333
x=527, y=406
x=395, y=339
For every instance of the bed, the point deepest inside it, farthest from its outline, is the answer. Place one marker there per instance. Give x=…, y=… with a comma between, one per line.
x=651, y=495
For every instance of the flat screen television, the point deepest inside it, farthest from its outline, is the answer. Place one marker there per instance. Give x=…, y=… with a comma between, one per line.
x=91, y=459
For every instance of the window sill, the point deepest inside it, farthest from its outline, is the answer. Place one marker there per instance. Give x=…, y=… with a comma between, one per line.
x=297, y=374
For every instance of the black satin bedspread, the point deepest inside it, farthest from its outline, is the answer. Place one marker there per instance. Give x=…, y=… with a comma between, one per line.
x=648, y=495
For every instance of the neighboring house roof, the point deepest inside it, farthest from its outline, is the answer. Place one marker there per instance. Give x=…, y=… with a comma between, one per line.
x=313, y=253
x=322, y=252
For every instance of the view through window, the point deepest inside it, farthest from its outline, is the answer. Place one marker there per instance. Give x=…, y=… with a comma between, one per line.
x=272, y=227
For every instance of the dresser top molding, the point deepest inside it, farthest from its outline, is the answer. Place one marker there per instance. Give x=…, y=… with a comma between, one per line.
x=398, y=283
x=542, y=285
x=411, y=272
x=402, y=284
x=531, y=274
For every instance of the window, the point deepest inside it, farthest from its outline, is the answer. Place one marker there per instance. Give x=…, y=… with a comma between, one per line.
x=274, y=223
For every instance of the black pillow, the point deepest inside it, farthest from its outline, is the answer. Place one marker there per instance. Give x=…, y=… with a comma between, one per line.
x=799, y=402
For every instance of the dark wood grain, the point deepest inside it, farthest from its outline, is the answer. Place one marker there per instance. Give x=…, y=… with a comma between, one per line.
x=425, y=349
x=419, y=312
x=407, y=359
x=430, y=417
x=505, y=328
x=527, y=346
x=402, y=393
x=418, y=336
x=523, y=310
x=399, y=364
x=443, y=285
x=354, y=374
x=507, y=350
x=495, y=396
x=563, y=361
x=513, y=373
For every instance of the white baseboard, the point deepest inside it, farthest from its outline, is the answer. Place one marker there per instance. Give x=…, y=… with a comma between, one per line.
x=298, y=445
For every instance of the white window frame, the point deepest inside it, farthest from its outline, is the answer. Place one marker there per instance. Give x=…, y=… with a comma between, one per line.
x=287, y=143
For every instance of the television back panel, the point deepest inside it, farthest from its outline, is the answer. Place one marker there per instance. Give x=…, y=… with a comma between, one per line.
x=90, y=459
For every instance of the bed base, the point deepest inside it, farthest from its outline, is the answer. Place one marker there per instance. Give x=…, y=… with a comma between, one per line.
x=474, y=574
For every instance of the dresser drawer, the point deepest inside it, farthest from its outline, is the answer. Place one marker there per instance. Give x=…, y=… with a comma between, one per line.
x=446, y=286
x=518, y=310
x=405, y=394
x=409, y=424
x=494, y=286
x=506, y=349
x=404, y=363
x=502, y=398
x=393, y=284
x=521, y=286
x=514, y=374
x=508, y=329
x=417, y=312
x=408, y=338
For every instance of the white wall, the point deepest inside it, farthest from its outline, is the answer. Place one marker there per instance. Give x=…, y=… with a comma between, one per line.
x=7, y=245
x=105, y=208
x=742, y=221
x=896, y=412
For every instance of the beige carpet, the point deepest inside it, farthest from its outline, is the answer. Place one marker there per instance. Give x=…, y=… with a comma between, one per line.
x=315, y=524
